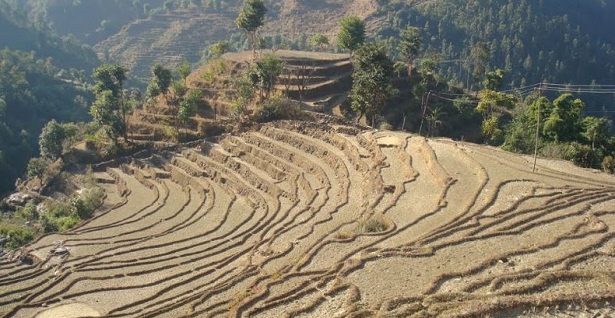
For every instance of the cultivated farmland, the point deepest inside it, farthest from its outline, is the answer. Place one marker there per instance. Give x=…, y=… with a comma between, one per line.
x=300, y=219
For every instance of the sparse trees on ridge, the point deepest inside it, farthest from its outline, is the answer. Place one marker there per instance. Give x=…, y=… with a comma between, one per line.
x=182, y=100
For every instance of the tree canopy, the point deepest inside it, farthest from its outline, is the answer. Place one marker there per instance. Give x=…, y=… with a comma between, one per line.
x=351, y=34
x=110, y=109
x=410, y=45
x=371, y=80
x=251, y=17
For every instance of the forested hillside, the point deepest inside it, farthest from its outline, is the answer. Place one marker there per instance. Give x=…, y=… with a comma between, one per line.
x=533, y=41
x=21, y=32
x=91, y=21
x=41, y=78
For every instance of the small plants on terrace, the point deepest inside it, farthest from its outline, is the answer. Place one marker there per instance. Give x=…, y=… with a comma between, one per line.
x=46, y=215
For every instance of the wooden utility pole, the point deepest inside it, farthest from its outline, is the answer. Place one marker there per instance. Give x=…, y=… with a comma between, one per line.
x=537, y=128
x=425, y=104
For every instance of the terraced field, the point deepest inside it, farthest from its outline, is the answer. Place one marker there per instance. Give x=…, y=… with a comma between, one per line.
x=314, y=220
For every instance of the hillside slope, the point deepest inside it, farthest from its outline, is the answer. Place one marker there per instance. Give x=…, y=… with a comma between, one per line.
x=324, y=220
x=170, y=38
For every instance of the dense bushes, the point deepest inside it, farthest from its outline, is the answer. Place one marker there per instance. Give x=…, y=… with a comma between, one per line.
x=50, y=216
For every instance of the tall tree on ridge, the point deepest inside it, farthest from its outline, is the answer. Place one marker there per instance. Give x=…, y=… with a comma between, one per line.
x=410, y=45
x=251, y=17
x=110, y=109
x=352, y=33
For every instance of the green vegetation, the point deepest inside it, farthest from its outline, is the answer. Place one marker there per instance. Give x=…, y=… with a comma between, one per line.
x=251, y=17
x=110, y=109
x=32, y=92
x=30, y=221
x=182, y=100
x=545, y=41
x=351, y=34
x=265, y=74
x=371, y=81
x=410, y=45
x=319, y=41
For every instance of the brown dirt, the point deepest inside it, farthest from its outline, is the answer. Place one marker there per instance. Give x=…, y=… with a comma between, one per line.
x=298, y=219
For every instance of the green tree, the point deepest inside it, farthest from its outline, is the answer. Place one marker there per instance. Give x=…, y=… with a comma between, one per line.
x=319, y=41
x=188, y=105
x=563, y=124
x=160, y=83
x=371, y=81
x=216, y=50
x=251, y=17
x=184, y=70
x=351, y=34
x=265, y=74
x=51, y=140
x=479, y=56
x=494, y=79
x=110, y=108
x=410, y=42
x=596, y=131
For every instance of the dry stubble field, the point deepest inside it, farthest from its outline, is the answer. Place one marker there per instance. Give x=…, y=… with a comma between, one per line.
x=314, y=220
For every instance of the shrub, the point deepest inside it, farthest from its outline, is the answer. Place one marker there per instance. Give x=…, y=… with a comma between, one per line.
x=608, y=164
x=582, y=155
x=372, y=225
x=278, y=107
x=84, y=204
x=16, y=235
x=385, y=126
x=27, y=213
x=37, y=167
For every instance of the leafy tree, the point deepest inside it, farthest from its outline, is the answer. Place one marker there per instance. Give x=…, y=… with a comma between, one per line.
x=217, y=49
x=110, y=108
x=434, y=120
x=37, y=167
x=265, y=74
x=371, y=81
x=494, y=79
x=319, y=41
x=596, y=131
x=410, y=42
x=188, y=106
x=105, y=114
x=494, y=103
x=479, y=56
x=251, y=17
x=51, y=140
x=563, y=124
x=161, y=81
x=184, y=70
x=351, y=34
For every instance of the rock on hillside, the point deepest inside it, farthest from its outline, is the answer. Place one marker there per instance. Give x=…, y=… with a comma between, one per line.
x=300, y=219
x=183, y=35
